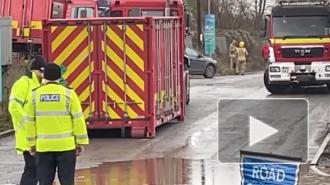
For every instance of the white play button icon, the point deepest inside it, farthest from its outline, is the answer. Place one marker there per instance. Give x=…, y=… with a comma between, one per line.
x=259, y=131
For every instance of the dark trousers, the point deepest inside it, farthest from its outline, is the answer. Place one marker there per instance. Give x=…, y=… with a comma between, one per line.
x=48, y=162
x=29, y=176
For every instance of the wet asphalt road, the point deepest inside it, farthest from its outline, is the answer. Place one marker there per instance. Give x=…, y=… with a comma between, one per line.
x=182, y=153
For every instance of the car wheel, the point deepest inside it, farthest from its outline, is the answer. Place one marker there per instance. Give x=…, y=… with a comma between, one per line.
x=209, y=71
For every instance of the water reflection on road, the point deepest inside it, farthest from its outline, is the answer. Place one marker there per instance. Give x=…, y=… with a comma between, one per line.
x=165, y=171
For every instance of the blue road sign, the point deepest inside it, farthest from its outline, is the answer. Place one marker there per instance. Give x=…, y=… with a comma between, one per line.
x=209, y=34
x=258, y=171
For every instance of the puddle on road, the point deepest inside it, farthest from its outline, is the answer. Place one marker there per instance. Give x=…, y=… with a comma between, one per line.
x=159, y=172
x=169, y=171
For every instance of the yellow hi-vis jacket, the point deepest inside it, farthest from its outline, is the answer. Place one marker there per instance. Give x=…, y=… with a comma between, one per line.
x=18, y=106
x=54, y=121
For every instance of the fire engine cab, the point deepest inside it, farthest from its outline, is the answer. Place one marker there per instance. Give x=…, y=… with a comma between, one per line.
x=299, y=45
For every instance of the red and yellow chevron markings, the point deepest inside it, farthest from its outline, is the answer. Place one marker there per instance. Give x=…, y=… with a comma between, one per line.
x=124, y=67
x=72, y=47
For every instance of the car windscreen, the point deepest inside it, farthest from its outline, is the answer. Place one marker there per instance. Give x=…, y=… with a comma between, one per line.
x=191, y=52
x=303, y=26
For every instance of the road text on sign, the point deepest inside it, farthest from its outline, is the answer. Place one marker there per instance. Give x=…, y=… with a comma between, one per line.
x=258, y=171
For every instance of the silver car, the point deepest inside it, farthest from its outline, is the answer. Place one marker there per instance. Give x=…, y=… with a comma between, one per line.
x=200, y=64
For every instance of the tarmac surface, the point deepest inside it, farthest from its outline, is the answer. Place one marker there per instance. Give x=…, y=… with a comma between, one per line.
x=182, y=153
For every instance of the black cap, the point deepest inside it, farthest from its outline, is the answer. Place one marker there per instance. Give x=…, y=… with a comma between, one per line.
x=38, y=63
x=52, y=72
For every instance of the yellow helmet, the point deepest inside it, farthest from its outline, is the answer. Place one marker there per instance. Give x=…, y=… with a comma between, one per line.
x=241, y=44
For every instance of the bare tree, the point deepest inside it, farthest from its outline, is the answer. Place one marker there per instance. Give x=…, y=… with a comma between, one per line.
x=259, y=10
x=235, y=14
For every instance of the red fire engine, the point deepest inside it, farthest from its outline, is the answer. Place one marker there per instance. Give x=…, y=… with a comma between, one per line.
x=299, y=49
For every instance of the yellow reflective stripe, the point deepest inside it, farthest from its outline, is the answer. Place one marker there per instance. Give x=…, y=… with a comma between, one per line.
x=23, y=121
x=29, y=118
x=14, y=24
x=52, y=113
x=140, y=26
x=129, y=51
x=53, y=28
x=31, y=139
x=55, y=136
x=120, y=64
x=62, y=37
x=77, y=115
x=135, y=38
x=20, y=125
x=34, y=99
x=300, y=41
x=26, y=32
x=120, y=83
x=70, y=47
x=17, y=100
x=82, y=136
x=67, y=100
x=36, y=25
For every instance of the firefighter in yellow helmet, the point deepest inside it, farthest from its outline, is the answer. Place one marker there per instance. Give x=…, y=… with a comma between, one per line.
x=232, y=55
x=242, y=54
x=56, y=129
x=17, y=109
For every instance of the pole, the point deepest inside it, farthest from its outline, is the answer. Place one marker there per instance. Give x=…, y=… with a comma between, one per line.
x=199, y=25
x=209, y=7
x=167, y=8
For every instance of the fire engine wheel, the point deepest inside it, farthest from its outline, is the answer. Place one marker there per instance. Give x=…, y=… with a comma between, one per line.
x=328, y=86
x=273, y=88
x=138, y=132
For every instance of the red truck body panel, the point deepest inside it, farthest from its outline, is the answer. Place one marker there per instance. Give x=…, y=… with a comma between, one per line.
x=143, y=3
x=28, y=14
x=325, y=56
x=128, y=72
x=155, y=5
